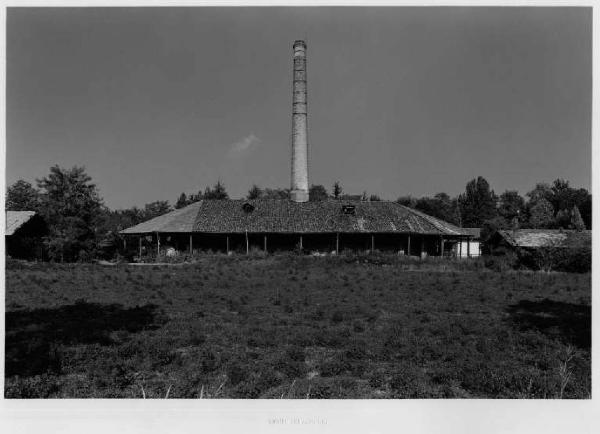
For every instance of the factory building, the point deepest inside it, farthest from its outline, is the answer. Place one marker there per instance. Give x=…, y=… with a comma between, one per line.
x=297, y=223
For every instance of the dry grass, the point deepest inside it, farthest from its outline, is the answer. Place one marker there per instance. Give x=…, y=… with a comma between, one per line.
x=296, y=327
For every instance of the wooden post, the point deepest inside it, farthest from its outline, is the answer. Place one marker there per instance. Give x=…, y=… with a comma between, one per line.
x=227, y=246
x=191, y=245
x=337, y=243
x=460, y=248
x=301, y=242
x=422, y=246
x=140, y=242
x=372, y=243
x=408, y=246
x=157, y=244
x=265, y=243
x=468, y=248
x=442, y=246
x=124, y=243
x=247, y=244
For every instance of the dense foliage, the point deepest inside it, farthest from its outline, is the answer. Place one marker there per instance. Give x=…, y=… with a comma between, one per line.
x=70, y=204
x=82, y=228
x=22, y=196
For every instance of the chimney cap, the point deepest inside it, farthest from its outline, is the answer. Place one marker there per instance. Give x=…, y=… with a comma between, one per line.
x=299, y=42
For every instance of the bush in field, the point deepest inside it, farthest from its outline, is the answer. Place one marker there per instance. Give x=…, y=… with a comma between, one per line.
x=501, y=263
x=557, y=259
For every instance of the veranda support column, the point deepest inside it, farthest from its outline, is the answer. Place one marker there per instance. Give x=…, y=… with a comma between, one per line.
x=337, y=243
x=442, y=246
x=460, y=248
x=247, y=244
x=124, y=243
x=422, y=247
x=408, y=246
x=157, y=244
x=191, y=245
x=372, y=243
x=265, y=243
x=227, y=245
x=468, y=247
x=301, y=242
x=140, y=243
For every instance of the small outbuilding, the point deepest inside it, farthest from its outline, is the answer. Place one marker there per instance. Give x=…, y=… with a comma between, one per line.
x=544, y=249
x=24, y=234
x=535, y=239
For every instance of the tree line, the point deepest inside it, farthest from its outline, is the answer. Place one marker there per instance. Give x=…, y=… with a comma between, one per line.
x=80, y=226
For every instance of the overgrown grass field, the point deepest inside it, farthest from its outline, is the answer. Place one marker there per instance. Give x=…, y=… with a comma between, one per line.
x=296, y=327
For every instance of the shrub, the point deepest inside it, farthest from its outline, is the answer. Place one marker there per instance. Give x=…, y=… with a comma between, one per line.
x=502, y=263
x=575, y=261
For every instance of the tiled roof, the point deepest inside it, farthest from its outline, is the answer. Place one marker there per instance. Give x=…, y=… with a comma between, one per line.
x=285, y=216
x=16, y=219
x=535, y=238
x=180, y=220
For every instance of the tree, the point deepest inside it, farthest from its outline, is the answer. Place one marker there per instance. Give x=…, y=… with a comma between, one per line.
x=254, y=193
x=541, y=214
x=563, y=198
x=576, y=220
x=477, y=203
x=512, y=205
x=542, y=190
x=585, y=207
x=71, y=205
x=563, y=219
x=276, y=193
x=156, y=208
x=490, y=226
x=440, y=206
x=22, y=196
x=317, y=192
x=408, y=201
x=217, y=192
x=183, y=201
x=337, y=190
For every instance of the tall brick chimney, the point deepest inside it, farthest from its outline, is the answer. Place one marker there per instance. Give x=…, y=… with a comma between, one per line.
x=299, y=186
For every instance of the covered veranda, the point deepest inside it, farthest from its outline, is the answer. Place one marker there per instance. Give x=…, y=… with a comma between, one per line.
x=156, y=244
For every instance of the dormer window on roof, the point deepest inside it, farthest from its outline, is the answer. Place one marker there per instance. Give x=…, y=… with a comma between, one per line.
x=349, y=209
x=248, y=207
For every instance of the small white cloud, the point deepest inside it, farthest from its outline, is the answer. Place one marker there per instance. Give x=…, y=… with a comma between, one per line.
x=243, y=145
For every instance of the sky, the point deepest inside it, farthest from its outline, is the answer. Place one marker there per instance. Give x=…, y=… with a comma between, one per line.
x=402, y=101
